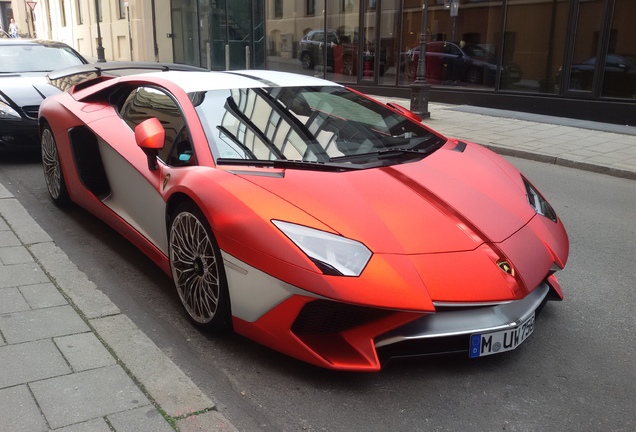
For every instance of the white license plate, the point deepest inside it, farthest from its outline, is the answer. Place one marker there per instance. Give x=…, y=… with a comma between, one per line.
x=483, y=344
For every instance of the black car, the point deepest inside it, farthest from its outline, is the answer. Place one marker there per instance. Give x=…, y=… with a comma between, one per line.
x=619, y=76
x=453, y=62
x=24, y=64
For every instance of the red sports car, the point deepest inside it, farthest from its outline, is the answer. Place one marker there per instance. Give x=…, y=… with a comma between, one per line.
x=307, y=216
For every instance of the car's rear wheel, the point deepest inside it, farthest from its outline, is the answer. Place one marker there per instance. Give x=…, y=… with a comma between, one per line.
x=197, y=268
x=306, y=60
x=53, y=173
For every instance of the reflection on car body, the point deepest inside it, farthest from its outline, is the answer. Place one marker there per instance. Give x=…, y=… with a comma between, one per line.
x=448, y=62
x=619, y=76
x=342, y=52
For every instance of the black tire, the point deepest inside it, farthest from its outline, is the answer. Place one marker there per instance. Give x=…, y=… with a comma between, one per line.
x=474, y=75
x=197, y=269
x=53, y=172
x=306, y=61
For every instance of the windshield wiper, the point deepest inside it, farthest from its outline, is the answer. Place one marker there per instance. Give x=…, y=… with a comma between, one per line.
x=290, y=164
x=388, y=153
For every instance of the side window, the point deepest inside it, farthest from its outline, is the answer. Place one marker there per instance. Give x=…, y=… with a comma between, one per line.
x=147, y=102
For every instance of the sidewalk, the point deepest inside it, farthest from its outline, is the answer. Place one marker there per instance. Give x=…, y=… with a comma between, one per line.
x=71, y=361
x=591, y=146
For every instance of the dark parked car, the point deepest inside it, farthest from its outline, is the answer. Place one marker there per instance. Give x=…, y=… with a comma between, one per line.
x=342, y=52
x=619, y=78
x=24, y=64
x=470, y=63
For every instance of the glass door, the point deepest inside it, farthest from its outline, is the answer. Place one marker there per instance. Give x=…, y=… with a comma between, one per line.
x=185, y=35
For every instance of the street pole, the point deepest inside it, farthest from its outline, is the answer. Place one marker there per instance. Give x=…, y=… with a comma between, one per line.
x=420, y=89
x=100, y=48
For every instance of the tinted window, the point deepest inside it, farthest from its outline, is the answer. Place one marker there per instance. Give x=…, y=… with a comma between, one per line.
x=36, y=58
x=148, y=102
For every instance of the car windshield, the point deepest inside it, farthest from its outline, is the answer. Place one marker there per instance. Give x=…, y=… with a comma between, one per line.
x=327, y=125
x=35, y=58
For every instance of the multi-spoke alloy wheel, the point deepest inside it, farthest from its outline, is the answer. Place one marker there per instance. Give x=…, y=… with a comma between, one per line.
x=53, y=175
x=197, y=268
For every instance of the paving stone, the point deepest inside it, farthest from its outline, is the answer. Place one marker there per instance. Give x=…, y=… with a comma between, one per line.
x=86, y=395
x=8, y=238
x=15, y=255
x=96, y=425
x=84, y=351
x=41, y=323
x=168, y=385
x=30, y=361
x=3, y=224
x=42, y=295
x=144, y=419
x=18, y=411
x=21, y=274
x=211, y=421
x=11, y=300
x=91, y=301
x=25, y=228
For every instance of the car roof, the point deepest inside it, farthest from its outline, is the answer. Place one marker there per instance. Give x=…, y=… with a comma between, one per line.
x=41, y=42
x=192, y=81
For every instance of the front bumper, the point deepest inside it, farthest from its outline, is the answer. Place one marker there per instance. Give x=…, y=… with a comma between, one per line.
x=19, y=135
x=449, y=329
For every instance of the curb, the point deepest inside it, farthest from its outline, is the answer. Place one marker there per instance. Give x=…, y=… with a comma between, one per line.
x=556, y=160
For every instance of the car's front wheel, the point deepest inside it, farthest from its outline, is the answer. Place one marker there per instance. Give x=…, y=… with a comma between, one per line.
x=53, y=173
x=197, y=268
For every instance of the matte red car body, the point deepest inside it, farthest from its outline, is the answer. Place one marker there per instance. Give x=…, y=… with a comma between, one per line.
x=441, y=256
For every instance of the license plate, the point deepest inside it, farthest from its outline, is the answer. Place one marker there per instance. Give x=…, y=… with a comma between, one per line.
x=483, y=344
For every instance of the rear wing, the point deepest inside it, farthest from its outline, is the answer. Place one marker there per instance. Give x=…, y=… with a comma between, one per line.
x=74, y=75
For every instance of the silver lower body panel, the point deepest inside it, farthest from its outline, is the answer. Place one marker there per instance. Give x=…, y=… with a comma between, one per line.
x=450, y=323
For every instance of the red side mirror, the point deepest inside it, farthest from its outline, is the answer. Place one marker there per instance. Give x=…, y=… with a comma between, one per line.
x=150, y=136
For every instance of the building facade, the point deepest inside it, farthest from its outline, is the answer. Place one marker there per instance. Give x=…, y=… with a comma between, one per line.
x=574, y=58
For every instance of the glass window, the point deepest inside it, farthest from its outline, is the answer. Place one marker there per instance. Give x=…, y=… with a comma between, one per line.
x=122, y=9
x=278, y=8
x=148, y=102
x=62, y=14
x=619, y=77
x=310, y=124
x=462, y=47
x=532, y=54
x=80, y=17
x=586, y=45
x=36, y=58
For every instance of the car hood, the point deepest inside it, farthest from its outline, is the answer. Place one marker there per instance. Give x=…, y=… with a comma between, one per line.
x=453, y=200
x=26, y=90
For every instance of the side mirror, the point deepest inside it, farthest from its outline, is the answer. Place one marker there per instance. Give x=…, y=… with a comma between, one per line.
x=150, y=136
x=405, y=112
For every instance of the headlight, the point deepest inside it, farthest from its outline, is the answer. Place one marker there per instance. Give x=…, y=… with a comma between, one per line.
x=333, y=254
x=6, y=112
x=538, y=203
